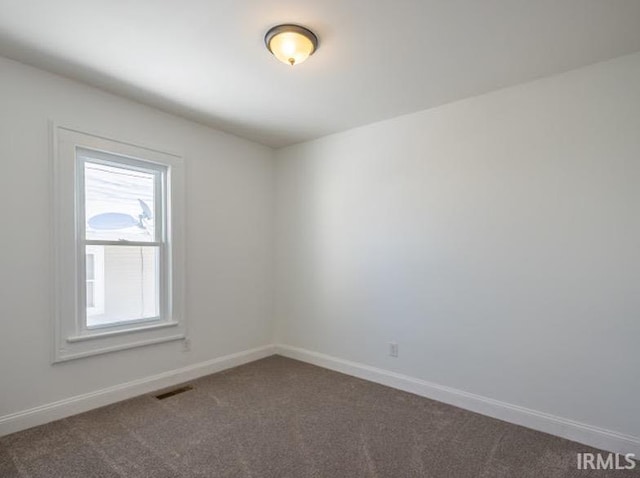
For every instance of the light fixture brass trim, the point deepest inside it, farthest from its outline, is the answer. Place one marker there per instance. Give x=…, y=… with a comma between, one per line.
x=291, y=28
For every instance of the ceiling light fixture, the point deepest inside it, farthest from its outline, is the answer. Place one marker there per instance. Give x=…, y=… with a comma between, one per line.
x=291, y=44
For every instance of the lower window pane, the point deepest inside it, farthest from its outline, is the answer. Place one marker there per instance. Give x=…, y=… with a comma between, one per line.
x=125, y=286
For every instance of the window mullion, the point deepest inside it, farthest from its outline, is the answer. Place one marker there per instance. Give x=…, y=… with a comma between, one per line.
x=99, y=242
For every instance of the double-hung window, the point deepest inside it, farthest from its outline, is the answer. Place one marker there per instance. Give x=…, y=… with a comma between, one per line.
x=118, y=233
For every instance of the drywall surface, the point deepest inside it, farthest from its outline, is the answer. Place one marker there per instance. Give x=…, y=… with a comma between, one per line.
x=496, y=240
x=229, y=204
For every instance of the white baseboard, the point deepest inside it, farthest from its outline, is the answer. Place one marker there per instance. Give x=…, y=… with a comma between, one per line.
x=88, y=401
x=579, y=432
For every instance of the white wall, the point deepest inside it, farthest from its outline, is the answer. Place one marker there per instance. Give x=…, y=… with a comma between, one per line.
x=229, y=238
x=496, y=239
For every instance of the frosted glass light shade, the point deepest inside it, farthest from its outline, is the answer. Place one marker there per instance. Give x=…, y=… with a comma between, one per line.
x=291, y=44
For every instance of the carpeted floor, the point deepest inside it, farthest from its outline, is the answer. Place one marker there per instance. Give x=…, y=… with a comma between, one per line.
x=282, y=418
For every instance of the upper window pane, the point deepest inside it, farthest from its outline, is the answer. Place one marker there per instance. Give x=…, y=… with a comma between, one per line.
x=119, y=203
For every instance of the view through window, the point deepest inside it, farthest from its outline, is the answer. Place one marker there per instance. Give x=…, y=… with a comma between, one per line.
x=123, y=240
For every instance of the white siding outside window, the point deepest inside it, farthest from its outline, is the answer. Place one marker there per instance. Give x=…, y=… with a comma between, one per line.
x=95, y=281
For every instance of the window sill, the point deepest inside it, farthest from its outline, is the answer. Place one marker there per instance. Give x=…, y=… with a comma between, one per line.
x=112, y=333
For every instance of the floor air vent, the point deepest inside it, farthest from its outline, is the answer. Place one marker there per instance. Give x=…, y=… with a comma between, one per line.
x=173, y=392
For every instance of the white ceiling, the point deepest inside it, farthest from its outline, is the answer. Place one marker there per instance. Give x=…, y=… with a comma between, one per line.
x=377, y=59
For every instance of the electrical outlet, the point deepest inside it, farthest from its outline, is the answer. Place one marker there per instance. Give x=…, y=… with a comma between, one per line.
x=393, y=349
x=186, y=345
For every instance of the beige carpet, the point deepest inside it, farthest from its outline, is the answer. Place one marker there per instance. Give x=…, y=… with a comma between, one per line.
x=282, y=418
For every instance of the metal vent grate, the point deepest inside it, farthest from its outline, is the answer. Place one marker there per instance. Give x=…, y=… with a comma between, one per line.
x=173, y=392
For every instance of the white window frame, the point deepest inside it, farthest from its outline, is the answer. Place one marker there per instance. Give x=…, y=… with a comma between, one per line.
x=85, y=156
x=72, y=338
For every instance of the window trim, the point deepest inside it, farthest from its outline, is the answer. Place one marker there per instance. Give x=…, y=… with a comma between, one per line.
x=72, y=339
